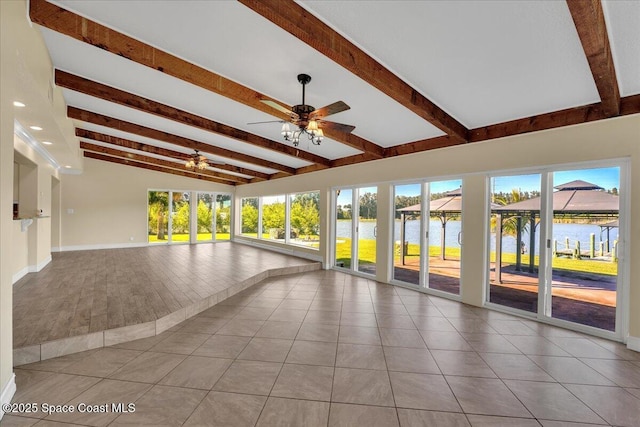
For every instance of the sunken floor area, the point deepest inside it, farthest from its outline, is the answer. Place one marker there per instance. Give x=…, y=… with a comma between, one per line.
x=131, y=293
x=324, y=348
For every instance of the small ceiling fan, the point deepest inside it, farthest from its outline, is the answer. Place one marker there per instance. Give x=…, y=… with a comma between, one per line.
x=198, y=161
x=309, y=120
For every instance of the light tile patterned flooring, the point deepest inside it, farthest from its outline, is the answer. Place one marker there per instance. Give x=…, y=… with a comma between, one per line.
x=90, y=291
x=328, y=349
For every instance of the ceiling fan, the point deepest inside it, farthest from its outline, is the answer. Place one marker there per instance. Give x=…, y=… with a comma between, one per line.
x=198, y=161
x=309, y=120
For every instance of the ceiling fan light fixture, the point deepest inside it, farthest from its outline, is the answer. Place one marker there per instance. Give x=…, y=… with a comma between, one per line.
x=312, y=127
x=307, y=118
x=196, y=161
x=286, y=131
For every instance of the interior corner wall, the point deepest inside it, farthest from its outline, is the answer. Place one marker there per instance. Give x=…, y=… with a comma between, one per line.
x=106, y=205
x=8, y=67
x=615, y=138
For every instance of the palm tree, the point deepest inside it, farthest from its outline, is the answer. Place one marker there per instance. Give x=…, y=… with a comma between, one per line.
x=510, y=224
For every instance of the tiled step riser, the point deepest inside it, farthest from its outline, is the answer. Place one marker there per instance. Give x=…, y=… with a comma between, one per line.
x=76, y=344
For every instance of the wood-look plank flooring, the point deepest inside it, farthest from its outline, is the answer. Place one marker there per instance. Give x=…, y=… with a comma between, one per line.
x=89, y=291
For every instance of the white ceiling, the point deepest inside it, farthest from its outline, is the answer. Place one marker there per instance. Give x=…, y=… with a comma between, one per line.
x=482, y=62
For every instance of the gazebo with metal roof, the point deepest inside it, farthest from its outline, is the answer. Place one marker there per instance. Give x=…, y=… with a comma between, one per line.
x=573, y=199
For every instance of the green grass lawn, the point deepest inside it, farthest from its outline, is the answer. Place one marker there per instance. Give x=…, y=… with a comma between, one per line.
x=185, y=237
x=367, y=254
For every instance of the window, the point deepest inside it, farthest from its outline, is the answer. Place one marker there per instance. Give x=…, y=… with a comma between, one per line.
x=304, y=216
x=214, y=217
x=273, y=218
x=291, y=219
x=249, y=216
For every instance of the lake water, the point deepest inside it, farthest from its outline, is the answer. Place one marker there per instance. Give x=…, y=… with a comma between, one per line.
x=574, y=232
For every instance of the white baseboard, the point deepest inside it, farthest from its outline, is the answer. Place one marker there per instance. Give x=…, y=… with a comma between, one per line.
x=19, y=275
x=40, y=265
x=633, y=343
x=99, y=246
x=8, y=391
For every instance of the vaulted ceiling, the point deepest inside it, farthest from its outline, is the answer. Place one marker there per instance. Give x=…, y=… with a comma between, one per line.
x=146, y=82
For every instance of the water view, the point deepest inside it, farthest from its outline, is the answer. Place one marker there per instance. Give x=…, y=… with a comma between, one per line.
x=575, y=232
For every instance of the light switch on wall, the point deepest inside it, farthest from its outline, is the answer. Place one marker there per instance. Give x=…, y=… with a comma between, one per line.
x=70, y=211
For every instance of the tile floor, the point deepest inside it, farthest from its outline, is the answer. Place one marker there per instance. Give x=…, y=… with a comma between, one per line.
x=329, y=349
x=83, y=292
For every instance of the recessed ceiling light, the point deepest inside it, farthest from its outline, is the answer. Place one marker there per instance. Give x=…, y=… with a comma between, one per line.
x=18, y=104
x=68, y=167
x=47, y=142
x=35, y=127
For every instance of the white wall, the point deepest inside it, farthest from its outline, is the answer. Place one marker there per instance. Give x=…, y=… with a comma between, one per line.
x=109, y=203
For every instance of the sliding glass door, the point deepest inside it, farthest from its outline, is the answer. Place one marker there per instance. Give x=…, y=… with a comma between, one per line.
x=356, y=229
x=428, y=236
x=213, y=216
x=158, y=217
x=585, y=246
x=515, y=241
x=187, y=217
x=574, y=276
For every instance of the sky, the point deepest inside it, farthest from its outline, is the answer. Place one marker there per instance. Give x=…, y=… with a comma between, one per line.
x=604, y=177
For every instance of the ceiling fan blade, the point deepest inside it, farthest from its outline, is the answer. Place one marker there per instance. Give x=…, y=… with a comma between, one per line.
x=279, y=107
x=328, y=110
x=337, y=126
x=268, y=121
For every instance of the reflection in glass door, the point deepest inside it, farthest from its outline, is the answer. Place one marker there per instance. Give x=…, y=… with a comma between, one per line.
x=514, y=261
x=158, y=216
x=584, y=246
x=367, y=229
x=179, y=220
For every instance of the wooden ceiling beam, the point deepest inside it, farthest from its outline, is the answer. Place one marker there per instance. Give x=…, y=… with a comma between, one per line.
x=121, y=125
x=556, y=119
x=293, y=18
x=422, y=145
x=120, y=161
x=111, y=94
x=630, y=105
x=567, y=117
x=126, y=143
x=159, y=162
x=588, y=18
x=85, y=30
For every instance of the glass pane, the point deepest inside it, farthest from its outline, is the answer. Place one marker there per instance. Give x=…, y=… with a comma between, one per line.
x=515, y=213
x=273, y=224
x=367, y=229
x=180, y=217
x=223, y=217
x=445, y=231
x=158, y=216
x=205, y=217
x=249, y=216
x=305, y=219
x=584, y=246
x=344, y=217
x=406, y=233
